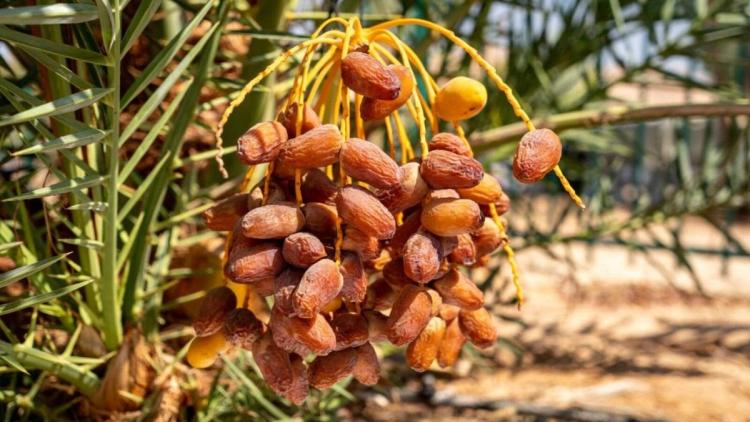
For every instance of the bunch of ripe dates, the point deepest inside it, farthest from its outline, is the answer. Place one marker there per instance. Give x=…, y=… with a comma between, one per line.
x=351, y=248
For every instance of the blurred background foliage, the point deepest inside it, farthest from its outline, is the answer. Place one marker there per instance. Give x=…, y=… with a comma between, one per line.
x=106, y=164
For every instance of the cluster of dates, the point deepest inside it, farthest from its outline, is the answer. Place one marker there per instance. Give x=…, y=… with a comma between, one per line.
x=373, y=254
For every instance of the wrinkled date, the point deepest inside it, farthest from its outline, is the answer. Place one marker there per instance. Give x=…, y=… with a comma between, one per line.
x=376, y=109
x=366, y=76
x=214, y=310
x=537, y=154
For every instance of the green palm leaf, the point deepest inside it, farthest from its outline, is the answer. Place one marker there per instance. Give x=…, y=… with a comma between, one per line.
x=24, y=303
x=59, y=106
x=20, y=273
x=158, y=96
x=60, y=188
x=10, y=245
x=52, y=47
x=86, y=243
x=139, y=22
x=165, y=56
x=74, y=140
x=48, y=14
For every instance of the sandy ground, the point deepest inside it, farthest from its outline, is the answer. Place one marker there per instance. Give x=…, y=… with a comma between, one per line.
x=612, y=335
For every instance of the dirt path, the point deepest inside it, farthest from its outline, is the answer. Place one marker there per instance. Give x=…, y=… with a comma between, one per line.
x=678, y=362
x=613, y=335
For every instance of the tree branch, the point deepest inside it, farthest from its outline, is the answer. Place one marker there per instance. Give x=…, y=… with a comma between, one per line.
x=613, y=115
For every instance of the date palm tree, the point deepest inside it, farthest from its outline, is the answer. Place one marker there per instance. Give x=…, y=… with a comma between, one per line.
x=106, y=158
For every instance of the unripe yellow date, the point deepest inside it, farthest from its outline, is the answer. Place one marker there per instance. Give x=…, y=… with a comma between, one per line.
x=203, y=351
x=460, y=99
